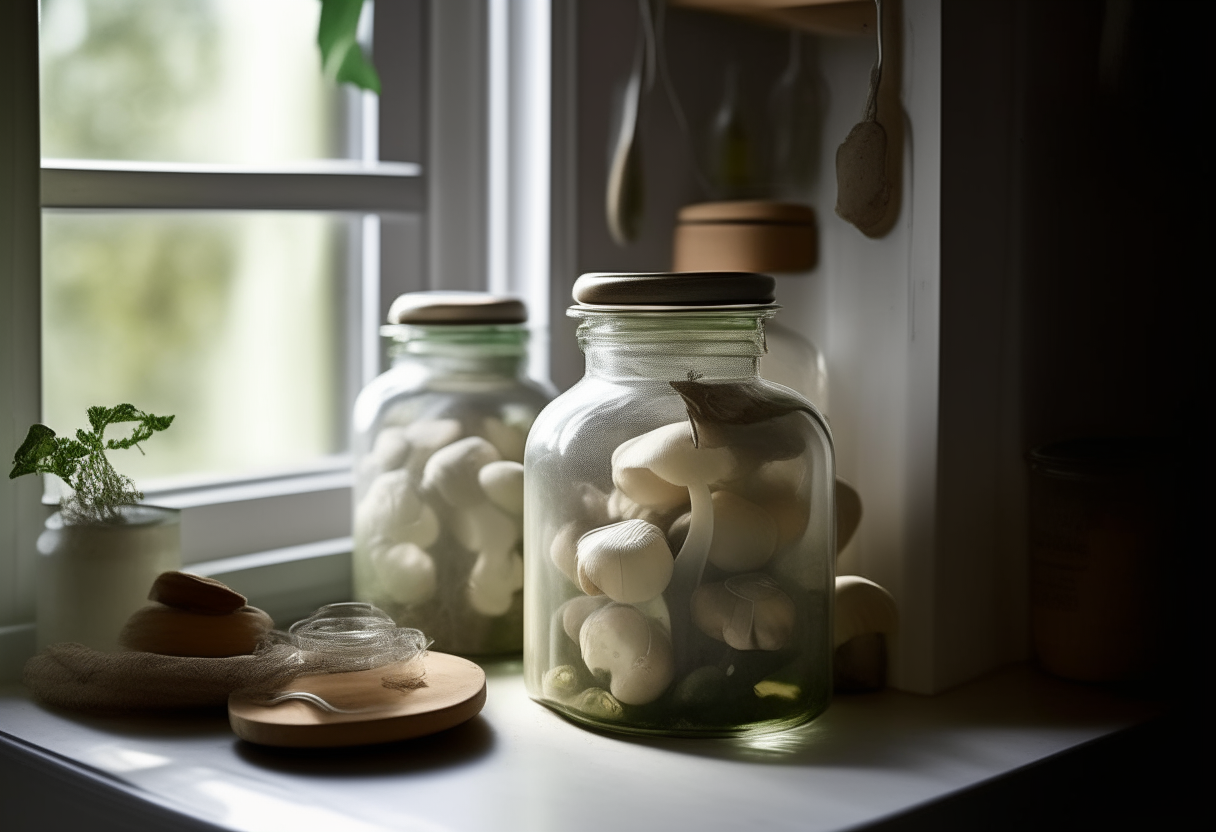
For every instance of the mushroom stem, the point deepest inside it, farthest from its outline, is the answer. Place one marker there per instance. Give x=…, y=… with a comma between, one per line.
x=689, y=566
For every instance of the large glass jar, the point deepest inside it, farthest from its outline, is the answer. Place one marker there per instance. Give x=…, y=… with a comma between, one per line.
x=679, y=520
x=438, y=449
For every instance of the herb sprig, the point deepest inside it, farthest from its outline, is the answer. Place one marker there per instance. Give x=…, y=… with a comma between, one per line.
x=97, y=489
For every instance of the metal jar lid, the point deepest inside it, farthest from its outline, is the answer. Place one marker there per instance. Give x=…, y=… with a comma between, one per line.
x=675, y=290
x=456, y=308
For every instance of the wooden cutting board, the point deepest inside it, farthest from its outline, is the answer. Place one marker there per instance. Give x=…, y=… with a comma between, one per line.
x=455, y=692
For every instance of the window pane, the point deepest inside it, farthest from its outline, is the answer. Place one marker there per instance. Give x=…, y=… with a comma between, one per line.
x=221, y=81
x=234, y=322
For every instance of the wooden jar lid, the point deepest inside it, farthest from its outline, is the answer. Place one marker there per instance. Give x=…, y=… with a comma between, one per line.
x=745, y=235
x=456, y=308
x=675, y=289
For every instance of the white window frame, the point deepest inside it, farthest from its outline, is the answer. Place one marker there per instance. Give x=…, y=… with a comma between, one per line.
x=284, y=540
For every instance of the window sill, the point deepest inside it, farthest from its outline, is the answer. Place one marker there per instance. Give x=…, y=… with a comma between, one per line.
x=883, y=761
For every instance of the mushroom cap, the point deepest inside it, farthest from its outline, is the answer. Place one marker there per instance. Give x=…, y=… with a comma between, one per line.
x=406, y=573
x=503, y=483
x=560, y=682
x=599, y=704
x=862, y=607
x=390, y=507
x=485, y=528
x=745, y=535
x=748, y=612
x=627, y=561
x=426, y=436
x=493, y=583
x=508, y=439
x=563, y=550
x=390, y=450
x=452, y=471
x=654, y=469
x=410, y=445
x=592, y=504
x=634, y=651
x=575, y=611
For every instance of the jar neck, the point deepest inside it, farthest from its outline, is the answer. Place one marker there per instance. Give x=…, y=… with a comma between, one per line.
x=481, y=351
x=672, y=346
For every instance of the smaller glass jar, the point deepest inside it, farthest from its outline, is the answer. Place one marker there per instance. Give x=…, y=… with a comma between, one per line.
x=438, y=449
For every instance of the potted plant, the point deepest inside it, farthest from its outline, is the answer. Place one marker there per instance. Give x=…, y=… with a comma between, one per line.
x=101, y=551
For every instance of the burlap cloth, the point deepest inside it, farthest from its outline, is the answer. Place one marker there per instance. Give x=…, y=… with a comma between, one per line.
x=79, y=678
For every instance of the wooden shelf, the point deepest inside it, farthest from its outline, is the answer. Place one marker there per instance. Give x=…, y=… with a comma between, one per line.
x=839, y=19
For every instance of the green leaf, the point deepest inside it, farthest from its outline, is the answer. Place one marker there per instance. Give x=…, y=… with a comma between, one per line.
x=341, y=57
x=81, y=462
x=356, y=70
x=38, y=445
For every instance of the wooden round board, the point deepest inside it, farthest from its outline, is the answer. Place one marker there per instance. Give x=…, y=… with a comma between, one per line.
x=455, y=691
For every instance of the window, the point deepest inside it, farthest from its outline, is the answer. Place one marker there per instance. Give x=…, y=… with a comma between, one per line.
x=212, y=218
x=229, y=236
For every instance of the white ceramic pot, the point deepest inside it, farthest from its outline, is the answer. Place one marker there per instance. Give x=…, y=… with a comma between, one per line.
x=92, y=576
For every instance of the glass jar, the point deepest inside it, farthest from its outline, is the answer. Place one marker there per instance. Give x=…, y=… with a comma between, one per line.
x=679, y=520
x=438, y=495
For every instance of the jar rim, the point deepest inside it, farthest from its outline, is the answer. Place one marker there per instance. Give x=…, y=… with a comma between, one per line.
x=767, y=310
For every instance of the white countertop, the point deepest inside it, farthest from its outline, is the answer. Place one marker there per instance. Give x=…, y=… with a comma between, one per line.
x=519, y=766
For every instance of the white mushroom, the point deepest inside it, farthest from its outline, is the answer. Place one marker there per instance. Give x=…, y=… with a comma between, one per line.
x=452, y=471
x=632, y=650
x=592, y=505
x=563, y=549
x=745, y=535
x=862, y=607
x=748, y=612
x=628, y=561
x=427, y=436
x=503, y=483
x=494, y=581
x=575, y=611
x=560, y=682
x=589, y=509
x=781, y=487
x=392, y=511
x=389, y=451
x=621, y=507
x=406, y=573
x=508, y=439
x=656, y=468
x=485, y=528
x=599, y=703
x=866, y=617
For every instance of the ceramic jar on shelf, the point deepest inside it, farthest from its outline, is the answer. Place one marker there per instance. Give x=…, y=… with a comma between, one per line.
x=438, y=449
x=679, y=519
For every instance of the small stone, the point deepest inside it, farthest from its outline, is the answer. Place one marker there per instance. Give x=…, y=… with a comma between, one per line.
x=195, y=593
x=166, y=631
